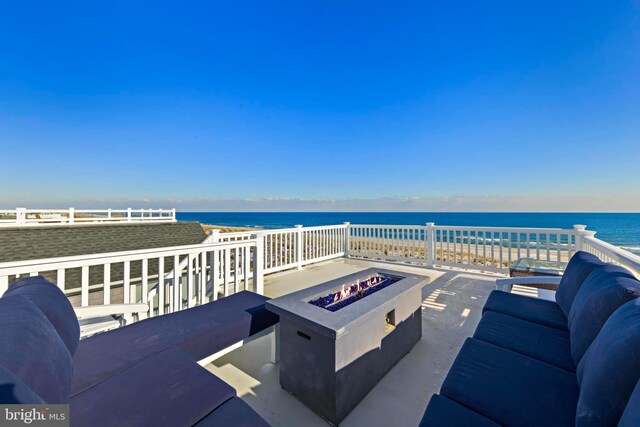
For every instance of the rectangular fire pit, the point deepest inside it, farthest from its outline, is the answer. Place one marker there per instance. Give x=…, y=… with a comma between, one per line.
x=339, y=338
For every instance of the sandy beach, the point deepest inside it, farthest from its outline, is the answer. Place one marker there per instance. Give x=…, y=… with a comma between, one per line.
x=226, y=229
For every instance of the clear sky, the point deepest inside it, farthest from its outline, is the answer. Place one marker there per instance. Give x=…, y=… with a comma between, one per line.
x=501, y=105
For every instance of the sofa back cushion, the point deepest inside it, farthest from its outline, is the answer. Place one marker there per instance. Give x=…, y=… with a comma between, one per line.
x=54, y=304
x=631, y=414
x=32, y=350
x=578, y=268
x=610, y=369
x=603, y=291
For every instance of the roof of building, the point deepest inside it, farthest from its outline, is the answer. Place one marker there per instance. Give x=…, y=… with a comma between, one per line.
x=21, y=243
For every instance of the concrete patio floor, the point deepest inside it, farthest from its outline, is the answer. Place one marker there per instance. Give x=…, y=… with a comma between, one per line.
x=451, y=309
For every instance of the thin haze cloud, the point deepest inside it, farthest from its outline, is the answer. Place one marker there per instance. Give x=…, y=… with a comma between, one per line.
x=383, y=204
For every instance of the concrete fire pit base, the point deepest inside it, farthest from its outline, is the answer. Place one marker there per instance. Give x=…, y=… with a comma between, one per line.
x=331, y=360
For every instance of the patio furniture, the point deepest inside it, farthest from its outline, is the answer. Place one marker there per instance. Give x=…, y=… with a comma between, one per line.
x=631, y=413
x=541, y=311
x=530, y=267
x=199, y=332
x=143, y=374
x=525, y=367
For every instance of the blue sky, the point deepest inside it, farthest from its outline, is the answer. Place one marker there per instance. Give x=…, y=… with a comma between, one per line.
x=504, y=105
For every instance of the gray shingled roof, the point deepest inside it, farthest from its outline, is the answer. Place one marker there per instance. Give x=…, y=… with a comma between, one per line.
x=22, y=243
x=48, y=242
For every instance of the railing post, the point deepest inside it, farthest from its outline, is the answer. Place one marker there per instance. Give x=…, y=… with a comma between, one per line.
x=128, y=214
x=299, y=246
x=430, y=237
x=21, y=215
x=214, y=262
x=173, y=215
x=109, y=213
x=347, y=239
x=581, y=232
x=72, y=215
x=258, y=264
x=578, y=230
x=214, y=236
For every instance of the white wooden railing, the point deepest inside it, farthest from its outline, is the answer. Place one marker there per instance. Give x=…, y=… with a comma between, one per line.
x=169, y=279
x=27, y=217
x=478, y=248
x=295, y=247
x=389, y=242
x=210, y=270
x=490, y=249
x=610, y=253
x=323, y=243
x=219, y=269
x=496, y=248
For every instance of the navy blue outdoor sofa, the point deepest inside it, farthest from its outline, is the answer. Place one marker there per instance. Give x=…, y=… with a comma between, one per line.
x=143, y=374
x=531, y=362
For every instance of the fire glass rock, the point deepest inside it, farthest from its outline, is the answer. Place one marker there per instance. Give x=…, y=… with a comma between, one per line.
x=352, y=293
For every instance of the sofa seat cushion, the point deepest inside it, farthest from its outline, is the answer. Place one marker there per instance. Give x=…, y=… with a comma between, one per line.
x=549, y=345
x=579, y=267
x=603, y=291
x=631, y=415
x=53, y=303
x=32, y=350
x=443, y=412
x=199, y=332
x=166, y=389
x=610, y=369
x=523, y=307
x=234, y=412
x=511, y=389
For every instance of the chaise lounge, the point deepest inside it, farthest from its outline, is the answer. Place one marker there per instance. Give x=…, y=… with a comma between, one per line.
x=532, y=362
x=146, y=373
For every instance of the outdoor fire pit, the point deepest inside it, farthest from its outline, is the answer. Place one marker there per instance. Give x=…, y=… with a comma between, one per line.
x=339, y=338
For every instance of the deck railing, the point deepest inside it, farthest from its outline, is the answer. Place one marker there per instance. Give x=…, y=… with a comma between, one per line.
x=20, y=217
x=407, y=243
x=296, y=247
x=610, y=253
x=170, y=279
x=490, y=249
x=496, y=248
x=210, y=270
x=477, y=248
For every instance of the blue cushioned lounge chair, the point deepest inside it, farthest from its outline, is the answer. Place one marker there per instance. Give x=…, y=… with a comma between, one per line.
x=572, y=362
x=143, y=374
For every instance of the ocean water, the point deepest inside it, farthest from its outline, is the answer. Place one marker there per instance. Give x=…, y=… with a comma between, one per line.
x=621, y=229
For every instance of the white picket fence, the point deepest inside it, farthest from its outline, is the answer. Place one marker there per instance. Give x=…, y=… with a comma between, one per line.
x=21, y=217
x=169, y=279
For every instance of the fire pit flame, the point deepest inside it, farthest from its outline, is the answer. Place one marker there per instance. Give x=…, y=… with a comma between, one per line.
x=353, y=292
